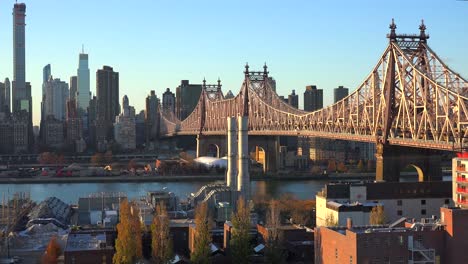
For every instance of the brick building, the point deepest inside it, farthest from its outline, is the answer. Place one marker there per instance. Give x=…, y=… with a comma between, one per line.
x=89, y=247
x=431, y=240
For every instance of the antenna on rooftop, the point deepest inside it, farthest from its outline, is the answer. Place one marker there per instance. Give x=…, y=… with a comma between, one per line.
x=82, y=48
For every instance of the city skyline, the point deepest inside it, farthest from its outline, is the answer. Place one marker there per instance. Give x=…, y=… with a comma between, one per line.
x=166, y=56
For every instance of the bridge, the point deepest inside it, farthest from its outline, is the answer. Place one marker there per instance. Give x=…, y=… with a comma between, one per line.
x=411, y=104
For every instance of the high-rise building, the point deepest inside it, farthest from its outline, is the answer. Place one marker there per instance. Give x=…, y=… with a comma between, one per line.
x=46, y=73
x=124, y=127
x=83, y=83
x=55, y=98
x=22, y=101
x=187, y=96
x=339, y=93
x=293, y=99
x=169, y=101
x=107, y=94
x=7, y=95
x=2, y=97
x=73, y=87
x=313, y=98
x=73, y=124
x=21, y=95
x=151, y=116
x=52, y=134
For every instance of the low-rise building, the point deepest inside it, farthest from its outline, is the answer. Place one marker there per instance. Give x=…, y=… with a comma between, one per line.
x=89, y=247
x=339, y=201
x=430, y=240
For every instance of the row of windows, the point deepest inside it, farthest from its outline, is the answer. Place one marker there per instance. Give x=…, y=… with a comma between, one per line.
x=400, y=212
x=423, y=202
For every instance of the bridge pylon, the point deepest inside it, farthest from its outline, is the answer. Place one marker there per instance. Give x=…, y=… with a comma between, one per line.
x=391, y=160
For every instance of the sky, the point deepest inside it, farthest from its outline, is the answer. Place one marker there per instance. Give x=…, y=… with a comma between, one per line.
x=155, y=44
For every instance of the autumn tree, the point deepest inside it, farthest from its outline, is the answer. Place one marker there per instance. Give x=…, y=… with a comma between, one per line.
x=161, y=241
x=97, y=159
x=273, y=252
x=331, y=166
x=128, y=248
x=240, y=238
x=341, y=167
x=201, y=253
x=377, y=215
x=52, y=252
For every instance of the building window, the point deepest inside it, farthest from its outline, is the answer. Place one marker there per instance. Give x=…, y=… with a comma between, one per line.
x=399, y=212
x=447, y=201
x=423, y=211
x=350, y=259
x=336, y=253
x=400, y=240
x=399, y=202
x=423, y=202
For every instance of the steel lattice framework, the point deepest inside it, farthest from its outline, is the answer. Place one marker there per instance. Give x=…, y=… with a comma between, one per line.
x=411, y=98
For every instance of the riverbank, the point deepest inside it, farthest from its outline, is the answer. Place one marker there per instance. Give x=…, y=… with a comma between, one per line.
x=182, y=178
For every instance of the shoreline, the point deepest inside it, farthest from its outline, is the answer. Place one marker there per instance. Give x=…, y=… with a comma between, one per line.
x=180, y=178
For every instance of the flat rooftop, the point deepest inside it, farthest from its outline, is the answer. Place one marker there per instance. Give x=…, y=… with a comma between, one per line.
x=86, y=242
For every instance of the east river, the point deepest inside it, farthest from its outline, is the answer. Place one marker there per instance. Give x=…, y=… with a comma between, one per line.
x=70, y=192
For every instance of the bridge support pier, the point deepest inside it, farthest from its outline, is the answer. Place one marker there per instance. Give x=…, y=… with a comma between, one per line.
x=391, y=160
x=218, y=144
x=270, y=146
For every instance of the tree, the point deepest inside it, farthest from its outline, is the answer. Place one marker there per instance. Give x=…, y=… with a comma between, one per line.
x=377, y=215
x=273, y=251
x=201, y=253
x=341, y=167
x=97, y=159
x=160, y=235
x=52, y=253
x=128, y=246
x=330, y=220
x=240, y=238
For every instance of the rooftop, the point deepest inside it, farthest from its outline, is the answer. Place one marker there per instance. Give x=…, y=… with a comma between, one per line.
x=82, y=242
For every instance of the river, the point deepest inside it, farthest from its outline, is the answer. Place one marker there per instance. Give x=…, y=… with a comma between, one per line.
x=70, y=192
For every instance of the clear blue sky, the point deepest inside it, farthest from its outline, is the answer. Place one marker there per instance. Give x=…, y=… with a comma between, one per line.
x=155, y=44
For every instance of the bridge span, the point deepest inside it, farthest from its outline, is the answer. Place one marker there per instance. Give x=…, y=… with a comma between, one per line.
x=411, y=102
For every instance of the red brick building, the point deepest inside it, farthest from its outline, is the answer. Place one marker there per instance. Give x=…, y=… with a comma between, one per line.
x=428, y=241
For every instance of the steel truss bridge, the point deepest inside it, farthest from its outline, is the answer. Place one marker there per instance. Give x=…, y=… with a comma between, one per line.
x=410, y=98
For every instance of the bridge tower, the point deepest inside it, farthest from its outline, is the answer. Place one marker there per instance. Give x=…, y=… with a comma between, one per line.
x=391, y=159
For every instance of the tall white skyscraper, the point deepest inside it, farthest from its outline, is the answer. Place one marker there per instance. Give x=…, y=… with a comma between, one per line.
x=83, y=96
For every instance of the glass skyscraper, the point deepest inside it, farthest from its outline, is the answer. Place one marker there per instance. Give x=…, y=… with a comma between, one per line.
x=83, y=96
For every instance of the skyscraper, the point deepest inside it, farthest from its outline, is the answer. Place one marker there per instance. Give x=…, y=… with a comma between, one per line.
x=46, y=73
x=151, y=116
x=168, y=101
x=293, y=99
x=187, y=96
x=339, y=93
x=21, y=89
x=107, y=93
x=313, y=98
x=2, y=97
x=55, y=98
x=124, y=127
x=83, y=96
x=73, y=87
x=7, y=95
